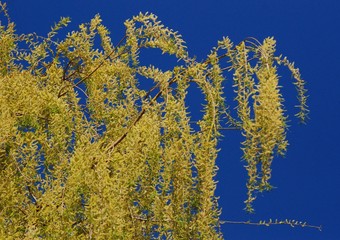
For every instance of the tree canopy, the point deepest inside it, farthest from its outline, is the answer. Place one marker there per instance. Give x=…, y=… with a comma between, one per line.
x=87, y=153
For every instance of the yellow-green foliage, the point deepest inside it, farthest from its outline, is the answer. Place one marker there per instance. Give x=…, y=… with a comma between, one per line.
x=127, y=164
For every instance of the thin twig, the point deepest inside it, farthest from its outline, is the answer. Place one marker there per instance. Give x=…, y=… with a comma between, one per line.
x=80, y=89
x=229, y=128
x=3, y=7
x=292, y=223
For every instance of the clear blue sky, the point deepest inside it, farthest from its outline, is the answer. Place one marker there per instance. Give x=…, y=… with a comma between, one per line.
x=307, y=31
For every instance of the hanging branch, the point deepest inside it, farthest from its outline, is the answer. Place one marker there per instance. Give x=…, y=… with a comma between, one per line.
x=171, y=81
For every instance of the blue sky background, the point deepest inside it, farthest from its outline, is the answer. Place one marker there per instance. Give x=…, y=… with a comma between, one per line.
x=307, y=31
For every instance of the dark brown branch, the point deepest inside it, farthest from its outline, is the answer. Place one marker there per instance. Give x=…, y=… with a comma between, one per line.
x=93, y=71
x=31, y=194
x=114, y=144
x=66, y=69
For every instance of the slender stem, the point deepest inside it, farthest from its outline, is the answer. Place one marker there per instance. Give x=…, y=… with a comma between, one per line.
x=291, y=223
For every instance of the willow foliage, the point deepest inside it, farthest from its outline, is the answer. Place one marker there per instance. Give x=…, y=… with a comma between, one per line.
x=85, y=153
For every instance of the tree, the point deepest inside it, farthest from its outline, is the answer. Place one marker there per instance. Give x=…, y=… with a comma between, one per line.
x=86, y=153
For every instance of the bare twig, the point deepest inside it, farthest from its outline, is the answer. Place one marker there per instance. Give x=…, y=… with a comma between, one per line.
x=292, y=223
